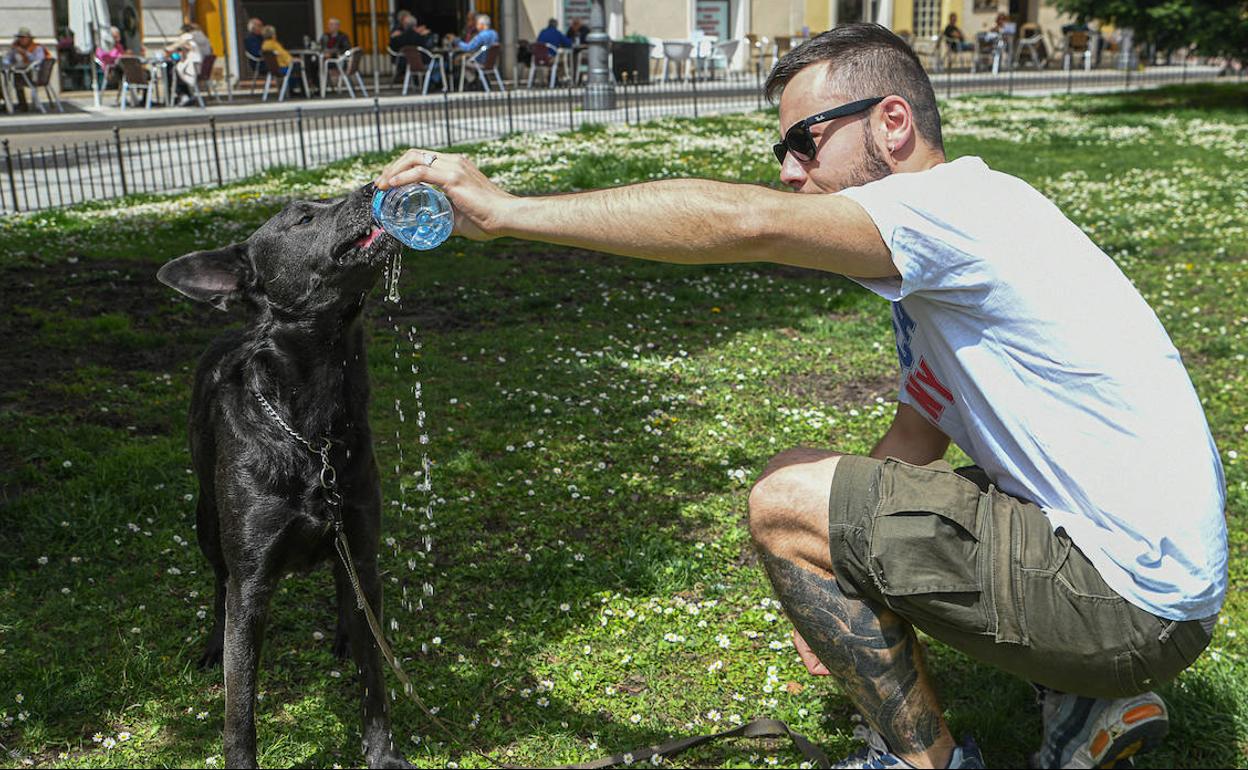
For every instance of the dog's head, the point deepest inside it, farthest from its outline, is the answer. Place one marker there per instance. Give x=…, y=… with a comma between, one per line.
x=311, y=258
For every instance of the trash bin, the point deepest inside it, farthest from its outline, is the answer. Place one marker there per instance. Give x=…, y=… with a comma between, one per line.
x=631, y=60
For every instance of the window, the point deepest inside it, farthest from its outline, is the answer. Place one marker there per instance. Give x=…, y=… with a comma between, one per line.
x=926, y=17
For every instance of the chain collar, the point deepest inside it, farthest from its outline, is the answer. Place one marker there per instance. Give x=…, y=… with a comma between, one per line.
x=329, y=477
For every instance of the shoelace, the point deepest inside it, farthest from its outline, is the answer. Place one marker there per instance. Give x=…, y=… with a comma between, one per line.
x=876, y=754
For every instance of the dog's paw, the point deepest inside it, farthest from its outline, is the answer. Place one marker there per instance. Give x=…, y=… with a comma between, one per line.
x=342, y=644
x=211, y=657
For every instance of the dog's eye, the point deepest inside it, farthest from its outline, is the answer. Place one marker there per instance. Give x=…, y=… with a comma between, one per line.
x=307, y=219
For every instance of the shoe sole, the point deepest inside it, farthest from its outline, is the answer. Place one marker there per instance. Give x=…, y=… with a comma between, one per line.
x=1142, y=728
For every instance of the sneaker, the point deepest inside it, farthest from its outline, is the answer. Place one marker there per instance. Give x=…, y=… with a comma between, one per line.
x=878, y=755
x=1098, y=732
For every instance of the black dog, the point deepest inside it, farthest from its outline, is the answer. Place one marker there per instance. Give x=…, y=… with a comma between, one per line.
x=264, y=509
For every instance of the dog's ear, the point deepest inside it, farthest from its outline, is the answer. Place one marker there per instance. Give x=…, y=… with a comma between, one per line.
x=215, y=277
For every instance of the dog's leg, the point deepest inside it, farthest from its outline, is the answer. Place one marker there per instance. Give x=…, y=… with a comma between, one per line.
x=379, y=750
x=216, y=637
x=246, y=611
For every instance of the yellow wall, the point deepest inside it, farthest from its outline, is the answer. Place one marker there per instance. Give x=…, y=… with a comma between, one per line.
x=208, y=17
x=903, y=15
x=818, y=16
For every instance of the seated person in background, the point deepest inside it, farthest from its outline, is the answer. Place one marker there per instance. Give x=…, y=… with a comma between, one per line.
x=429, y=37
x=485, y=37
x=109, y=57
x=334, y=40
x=397, y=28
x=552, y=36
x=953, y=36
x=254, y=41
x=284, y=60
x=405, y=37
x=25, y=52
x=578, y=31
x=191, y=46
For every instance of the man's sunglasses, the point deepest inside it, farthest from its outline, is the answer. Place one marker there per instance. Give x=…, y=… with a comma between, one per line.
x=798, y=140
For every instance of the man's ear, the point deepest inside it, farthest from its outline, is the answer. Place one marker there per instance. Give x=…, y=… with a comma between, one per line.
x=215, y=277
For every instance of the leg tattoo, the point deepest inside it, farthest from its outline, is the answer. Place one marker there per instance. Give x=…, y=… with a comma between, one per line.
x=870, y=650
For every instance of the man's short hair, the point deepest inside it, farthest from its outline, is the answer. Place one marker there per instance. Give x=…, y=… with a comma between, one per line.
x=484, y=17
x=865, y=61
x=553, y=23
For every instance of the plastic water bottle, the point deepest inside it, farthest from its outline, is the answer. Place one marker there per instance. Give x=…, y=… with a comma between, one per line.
x=416, y=214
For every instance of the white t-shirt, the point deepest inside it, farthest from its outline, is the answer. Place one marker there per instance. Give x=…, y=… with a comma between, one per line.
x=1025, y=344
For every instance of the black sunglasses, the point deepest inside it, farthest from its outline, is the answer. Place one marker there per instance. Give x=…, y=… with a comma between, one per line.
x=798, y=140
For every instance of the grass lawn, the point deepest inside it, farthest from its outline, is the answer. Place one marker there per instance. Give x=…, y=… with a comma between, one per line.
x=580, y=579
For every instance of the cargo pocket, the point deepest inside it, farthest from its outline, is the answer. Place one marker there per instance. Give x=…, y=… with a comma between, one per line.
x=926, y=554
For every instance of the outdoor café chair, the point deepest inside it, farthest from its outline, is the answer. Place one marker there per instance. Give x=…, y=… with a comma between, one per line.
x=984, y=54
x=256, y=63
x=544, y=55
x=657, y=58
x=203, y=79
x=39, y=76
x=722, y=54
x=1031, y=42
x=416, y=63
x=1077, y=43
x=135, y=77
x=929, y=49
x=483, y=68
x=679, y=53
x=348, y=66
x=270, y=64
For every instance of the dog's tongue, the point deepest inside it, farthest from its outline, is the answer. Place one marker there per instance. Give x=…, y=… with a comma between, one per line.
x=367, y=240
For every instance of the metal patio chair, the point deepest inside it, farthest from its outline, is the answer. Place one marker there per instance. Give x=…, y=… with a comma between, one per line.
x=135, y=77
x=348, y=66
x=483, y=68
x=275, y=69
x=416, y=63
x=678, y=52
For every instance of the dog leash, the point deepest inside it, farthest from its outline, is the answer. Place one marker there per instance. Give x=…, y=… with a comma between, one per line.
x=757, y=728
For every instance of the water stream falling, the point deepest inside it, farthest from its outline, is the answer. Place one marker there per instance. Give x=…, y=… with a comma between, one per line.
x=415, y=486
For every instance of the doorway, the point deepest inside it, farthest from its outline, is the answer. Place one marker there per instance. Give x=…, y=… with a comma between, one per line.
x=293, y=19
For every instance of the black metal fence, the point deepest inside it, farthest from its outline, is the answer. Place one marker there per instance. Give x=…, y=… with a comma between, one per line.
x=213, y=154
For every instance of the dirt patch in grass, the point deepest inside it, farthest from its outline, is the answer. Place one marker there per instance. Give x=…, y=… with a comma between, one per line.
x=113, y=316
x=834, y=390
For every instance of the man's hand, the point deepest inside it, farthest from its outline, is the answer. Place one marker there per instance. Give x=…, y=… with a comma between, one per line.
x=813, y=665
x=477, y=201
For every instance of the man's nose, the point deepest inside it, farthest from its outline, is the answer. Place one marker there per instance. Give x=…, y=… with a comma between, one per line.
x=792, y=173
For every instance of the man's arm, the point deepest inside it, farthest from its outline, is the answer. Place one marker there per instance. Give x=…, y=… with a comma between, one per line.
x=690, y=221
x=912, y=439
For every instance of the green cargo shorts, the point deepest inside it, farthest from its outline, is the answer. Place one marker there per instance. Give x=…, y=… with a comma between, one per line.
x=985, y=573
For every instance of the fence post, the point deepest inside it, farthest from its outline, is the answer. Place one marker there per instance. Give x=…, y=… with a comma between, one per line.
x=571, y=123
x=446, y=114
x=377, y=122
x=948, y=82
x=1184, y=69
x=1127, y=68
x=8, y=163
x=1070, y=77
x=693, y=81
x=121, y=163
x=216, y=147
x=303, y=149
x=1009, y=79
x=511, y=120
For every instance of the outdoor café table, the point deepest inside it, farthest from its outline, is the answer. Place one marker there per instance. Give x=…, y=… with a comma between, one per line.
x=162, y=74
x=311, y=61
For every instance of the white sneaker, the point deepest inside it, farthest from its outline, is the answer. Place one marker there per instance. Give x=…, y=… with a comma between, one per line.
x=1098, y=732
